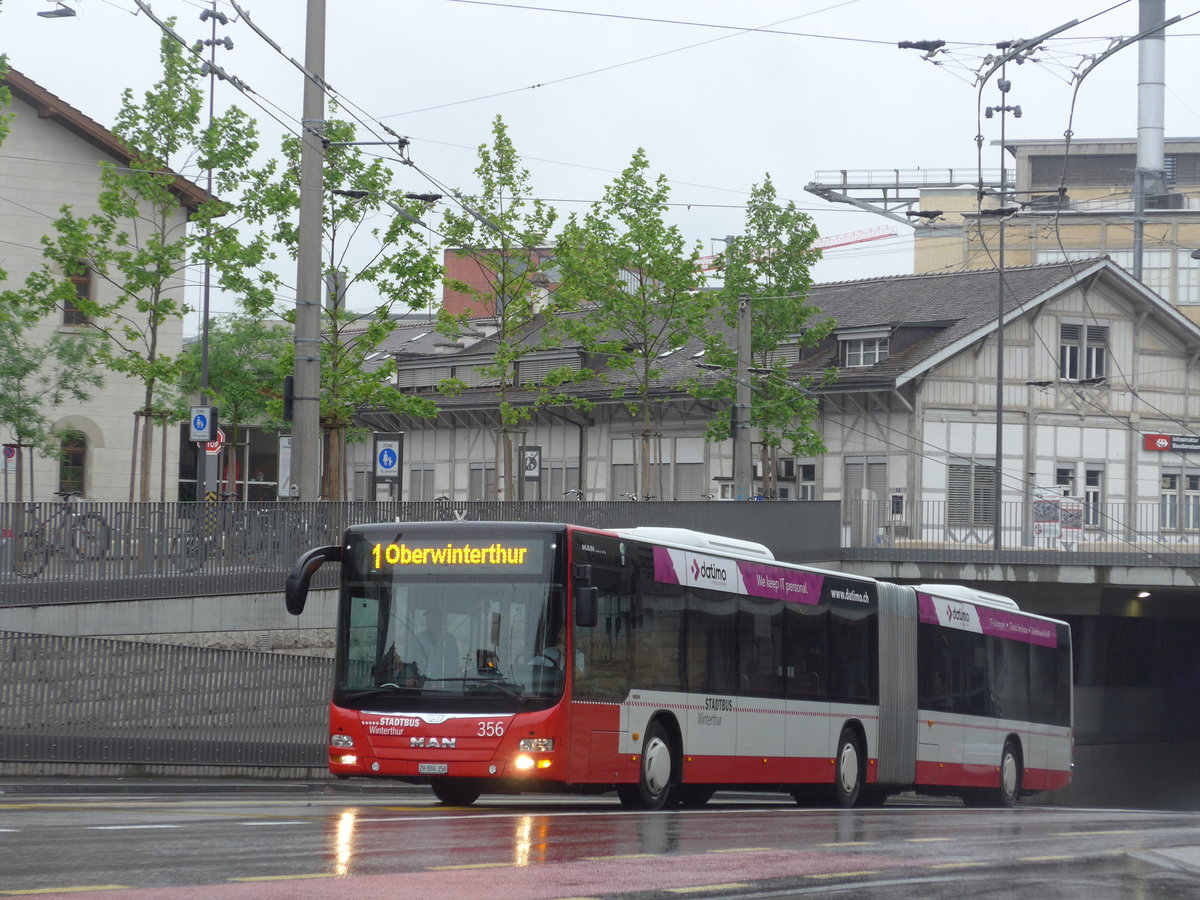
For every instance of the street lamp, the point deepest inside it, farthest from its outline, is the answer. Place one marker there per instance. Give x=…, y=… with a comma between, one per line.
x=60, y=11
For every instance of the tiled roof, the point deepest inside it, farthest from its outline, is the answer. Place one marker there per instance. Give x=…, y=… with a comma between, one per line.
x=953, y=309
x=50, y=106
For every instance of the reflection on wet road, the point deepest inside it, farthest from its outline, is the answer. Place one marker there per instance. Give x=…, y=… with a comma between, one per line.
x=367, y=846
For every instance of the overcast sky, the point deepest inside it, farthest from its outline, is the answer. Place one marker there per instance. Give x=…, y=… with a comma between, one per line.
x=714, y=104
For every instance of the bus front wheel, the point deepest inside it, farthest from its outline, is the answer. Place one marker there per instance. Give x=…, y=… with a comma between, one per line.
x=656, y=775
x=455, y=793
x=848, y=770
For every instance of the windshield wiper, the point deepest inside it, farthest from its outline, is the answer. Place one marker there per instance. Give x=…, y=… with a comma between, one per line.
x=388, y=688
x=507, y=687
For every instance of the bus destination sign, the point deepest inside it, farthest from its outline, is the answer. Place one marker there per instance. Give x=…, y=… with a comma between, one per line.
x=454, y=556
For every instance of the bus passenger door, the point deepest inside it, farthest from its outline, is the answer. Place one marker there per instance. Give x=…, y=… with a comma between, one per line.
x=943, y=695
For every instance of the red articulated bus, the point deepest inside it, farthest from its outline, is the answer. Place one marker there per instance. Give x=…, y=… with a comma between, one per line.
x=665, y=664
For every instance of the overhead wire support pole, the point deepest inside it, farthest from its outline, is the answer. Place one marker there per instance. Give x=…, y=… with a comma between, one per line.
x=306, y=435
x=743, y=467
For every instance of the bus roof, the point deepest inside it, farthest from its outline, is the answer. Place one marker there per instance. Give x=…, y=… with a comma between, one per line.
x=685, y=537
x=971, y=595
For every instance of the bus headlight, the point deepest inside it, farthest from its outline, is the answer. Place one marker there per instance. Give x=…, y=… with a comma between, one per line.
x=348, y=759
x=523, y=763
x=536, y=745
x=341, y=741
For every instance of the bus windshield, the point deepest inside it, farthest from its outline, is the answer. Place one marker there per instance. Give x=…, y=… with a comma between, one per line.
x=434, y=621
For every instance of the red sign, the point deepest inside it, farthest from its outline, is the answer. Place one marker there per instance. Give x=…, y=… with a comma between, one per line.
x=212, y=448
x=1177, y=442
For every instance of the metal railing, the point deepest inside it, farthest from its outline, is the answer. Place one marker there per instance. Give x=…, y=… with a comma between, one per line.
x=905, y=178
x=92, y=700
x=1045, y=532
x=140, y=551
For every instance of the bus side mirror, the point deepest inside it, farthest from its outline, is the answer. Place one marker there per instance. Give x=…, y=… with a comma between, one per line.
x=585, y=606
x=295, y=592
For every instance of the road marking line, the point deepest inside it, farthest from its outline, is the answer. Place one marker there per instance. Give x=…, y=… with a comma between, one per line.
x=284, y=877
x=959, y=865
x=848, y=844
x=277, y=822
x=846, y=874
x=68, y=890
x=700, y=888
x=503, y=865
x=926, y=840
x=1043, y=858
x=127, y=827
x=1091, y=833
x=741, y=850
x=626, y=856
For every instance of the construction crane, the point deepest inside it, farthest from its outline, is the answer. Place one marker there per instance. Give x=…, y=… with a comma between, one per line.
x=829, y=242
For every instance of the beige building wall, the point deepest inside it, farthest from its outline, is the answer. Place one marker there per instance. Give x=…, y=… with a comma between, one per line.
x=44, y=167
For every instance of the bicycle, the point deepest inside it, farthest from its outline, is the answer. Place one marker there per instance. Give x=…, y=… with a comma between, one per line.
x=66, y=528
x=228, y=530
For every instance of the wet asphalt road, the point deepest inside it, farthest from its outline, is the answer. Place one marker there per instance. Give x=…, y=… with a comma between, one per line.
x=253, y=840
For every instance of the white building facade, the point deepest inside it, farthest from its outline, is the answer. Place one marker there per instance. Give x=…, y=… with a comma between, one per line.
x=1101, y=396
x=50, y=159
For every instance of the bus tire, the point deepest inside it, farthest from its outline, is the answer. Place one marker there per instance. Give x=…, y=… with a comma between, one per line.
x=656, y=779
x=455, y=793
x=694, y=796
x=848, y=770
x=1010, y=775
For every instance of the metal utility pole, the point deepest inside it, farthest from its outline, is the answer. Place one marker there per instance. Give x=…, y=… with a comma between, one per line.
x=743, y=465
x=208, y=474
x=1150, y=129
x=306, y=424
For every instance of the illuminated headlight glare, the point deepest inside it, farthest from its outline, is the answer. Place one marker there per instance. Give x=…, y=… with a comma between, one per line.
x=348, y=759
x=536, y=745
x=341, y=741
x=524, y=763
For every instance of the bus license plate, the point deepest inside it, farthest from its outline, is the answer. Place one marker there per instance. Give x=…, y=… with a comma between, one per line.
x=432, y=768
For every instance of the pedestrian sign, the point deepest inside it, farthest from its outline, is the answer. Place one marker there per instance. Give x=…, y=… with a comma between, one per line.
x=389, y=453
x=202, y=424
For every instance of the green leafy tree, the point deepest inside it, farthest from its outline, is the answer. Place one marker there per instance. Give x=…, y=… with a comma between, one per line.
x=136, y=247
x=399, y=275
x=770, y=265
x=641, y=281
x=244, y=360
x=504, y=233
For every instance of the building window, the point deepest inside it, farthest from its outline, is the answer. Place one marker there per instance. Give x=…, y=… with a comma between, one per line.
x=806, y=487
x=868, y=474
x=1191, y=502
x=1093, y=496
x=1082, y=351
x=971, y=499
x=73, y=313
x=1064, y=480
x=562, y=480
x=1168, y=500
x=866, y=351
x=73, y=461
x=420, y=483
x=689, y=481
x=481, y=482
x=622, y=483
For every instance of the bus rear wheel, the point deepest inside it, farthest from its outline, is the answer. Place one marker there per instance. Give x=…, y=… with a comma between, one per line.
x=848, y=770
x=1008, y=791
x=455, y=793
